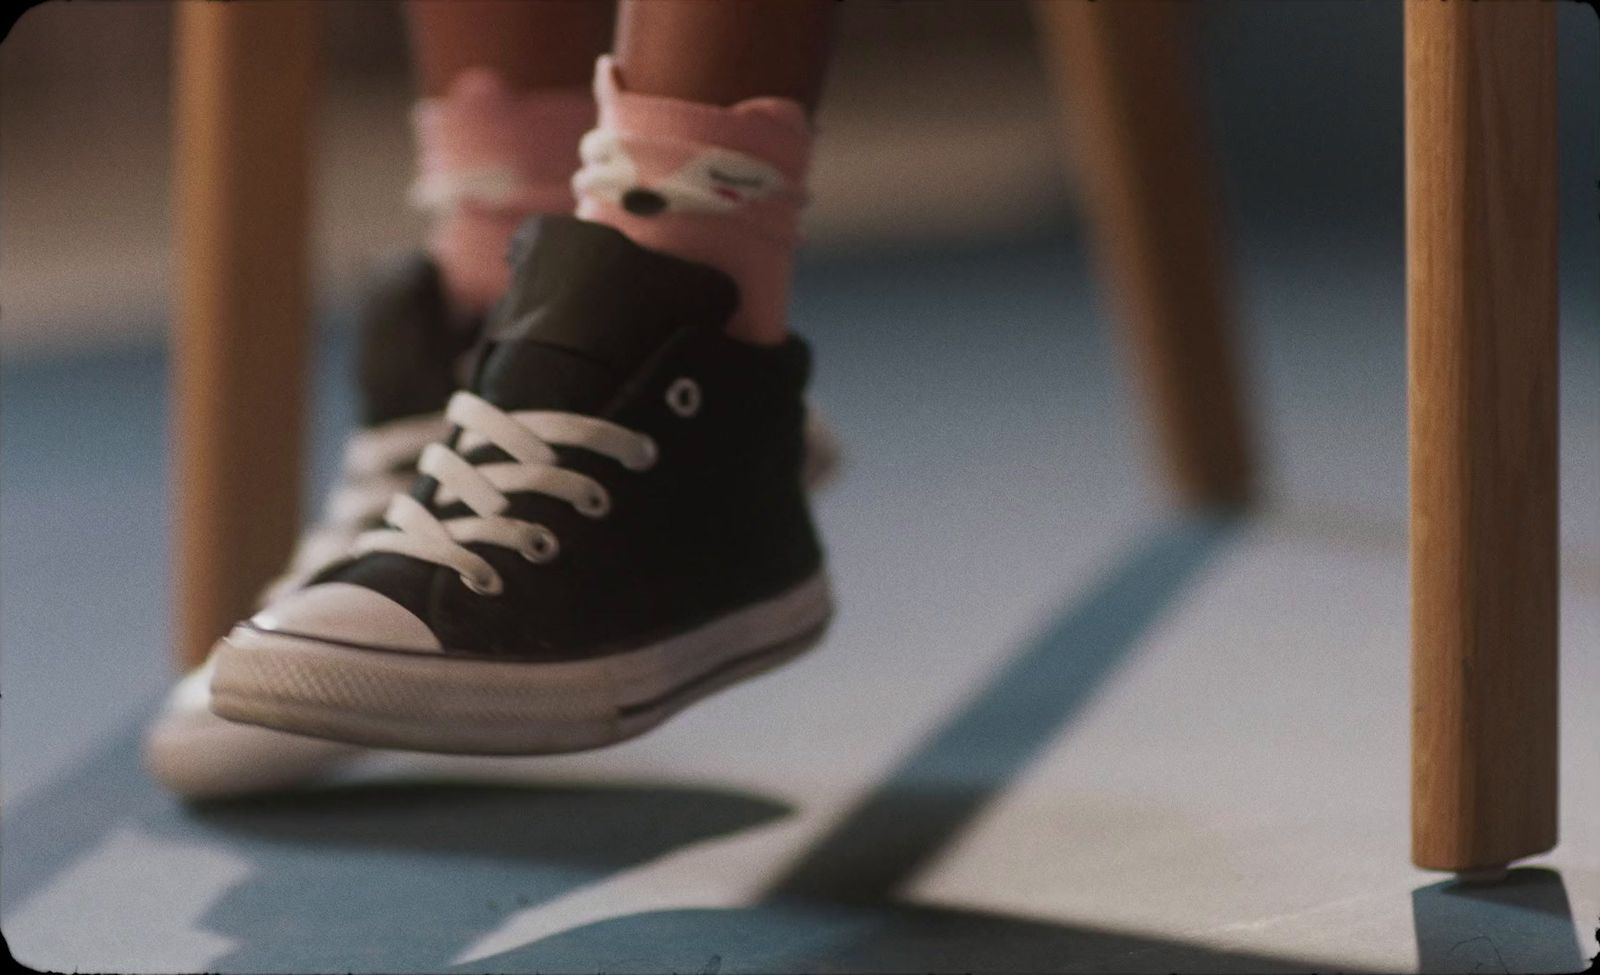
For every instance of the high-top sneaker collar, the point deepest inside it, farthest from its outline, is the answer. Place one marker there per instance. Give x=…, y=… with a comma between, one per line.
x=587, y=309
x=410, y=346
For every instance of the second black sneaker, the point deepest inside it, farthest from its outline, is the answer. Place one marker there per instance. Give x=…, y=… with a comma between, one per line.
x=411, y=354
x=614, y=528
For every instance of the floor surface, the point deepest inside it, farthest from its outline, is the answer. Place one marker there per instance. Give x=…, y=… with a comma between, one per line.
x=1056, y=726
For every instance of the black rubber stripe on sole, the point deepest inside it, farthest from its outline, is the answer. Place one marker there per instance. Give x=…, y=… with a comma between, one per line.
x=700, y=680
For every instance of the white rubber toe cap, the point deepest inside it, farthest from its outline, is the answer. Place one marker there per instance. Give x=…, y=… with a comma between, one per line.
x=347, y=613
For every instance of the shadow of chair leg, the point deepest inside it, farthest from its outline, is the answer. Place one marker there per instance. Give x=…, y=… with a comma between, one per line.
x=1522, y=924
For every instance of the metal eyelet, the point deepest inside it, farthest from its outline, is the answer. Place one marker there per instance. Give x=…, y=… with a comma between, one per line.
x=596, y=504
x=542, y=547
x=683, y=397
x=492, y=585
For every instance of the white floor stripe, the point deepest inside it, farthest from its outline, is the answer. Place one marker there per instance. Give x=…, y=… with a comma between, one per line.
x=185, y=879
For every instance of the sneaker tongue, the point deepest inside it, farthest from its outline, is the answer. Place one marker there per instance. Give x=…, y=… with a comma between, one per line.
x=587, y=308
x=409, y=350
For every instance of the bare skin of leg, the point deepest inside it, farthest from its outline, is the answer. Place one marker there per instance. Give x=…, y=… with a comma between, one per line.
x=547, y=44
x=722, y=53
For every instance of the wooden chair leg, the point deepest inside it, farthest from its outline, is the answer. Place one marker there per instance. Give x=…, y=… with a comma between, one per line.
x=1481, y=262
x=1123, y=75
x=243, y=88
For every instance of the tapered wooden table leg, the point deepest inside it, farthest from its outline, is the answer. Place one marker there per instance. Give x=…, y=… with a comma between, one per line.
x=243, y=89
x=1125, y=80
x=1481, y=263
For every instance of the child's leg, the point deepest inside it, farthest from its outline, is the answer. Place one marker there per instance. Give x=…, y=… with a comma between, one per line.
x=506, y=99
x=705, y=139
x=722, y=53
x=547, y=44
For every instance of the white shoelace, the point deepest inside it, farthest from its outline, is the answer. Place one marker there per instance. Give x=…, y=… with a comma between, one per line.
x=378, y=463
x=528, y=437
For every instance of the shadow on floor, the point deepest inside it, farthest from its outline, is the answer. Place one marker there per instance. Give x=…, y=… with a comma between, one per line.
x=837, y=909
x=1524, y=923
x=402, y=877
x=812, y=936
x=975, y=755
x=398, y=876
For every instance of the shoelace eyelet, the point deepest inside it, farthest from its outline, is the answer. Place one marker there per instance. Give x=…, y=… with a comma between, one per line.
x=542, y=547
x=491, y=585
x=683, y=397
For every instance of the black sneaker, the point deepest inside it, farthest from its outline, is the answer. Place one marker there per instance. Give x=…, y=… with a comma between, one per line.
x=615, y=528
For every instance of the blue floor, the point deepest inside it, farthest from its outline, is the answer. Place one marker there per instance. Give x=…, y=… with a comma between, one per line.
x=312, y=854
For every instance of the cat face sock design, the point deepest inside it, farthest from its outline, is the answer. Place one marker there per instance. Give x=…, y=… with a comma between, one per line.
x=717, y=185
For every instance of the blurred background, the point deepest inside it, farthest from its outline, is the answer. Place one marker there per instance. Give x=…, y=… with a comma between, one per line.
x=936, y=126
x=1249, y=766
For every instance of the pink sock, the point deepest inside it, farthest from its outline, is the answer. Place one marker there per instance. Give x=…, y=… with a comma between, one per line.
x=722, y=186
x=488, y=158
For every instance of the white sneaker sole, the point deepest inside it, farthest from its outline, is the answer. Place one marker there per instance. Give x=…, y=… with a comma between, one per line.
x=438, y=703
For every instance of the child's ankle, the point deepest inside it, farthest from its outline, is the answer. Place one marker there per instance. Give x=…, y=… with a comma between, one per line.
x=488, y=158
